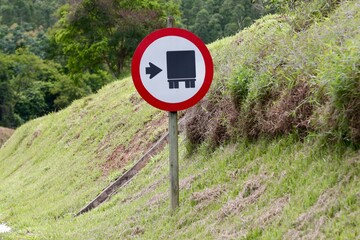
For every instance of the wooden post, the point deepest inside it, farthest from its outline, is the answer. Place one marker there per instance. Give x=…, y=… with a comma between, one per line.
x=173, y=147
x=174, y=156
x=170, y=22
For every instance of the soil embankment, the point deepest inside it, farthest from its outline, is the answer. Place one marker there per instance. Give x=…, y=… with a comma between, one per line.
x=5, y=134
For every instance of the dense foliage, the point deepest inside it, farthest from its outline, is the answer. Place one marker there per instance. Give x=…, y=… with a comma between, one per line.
x=44, y=67
x=31, y=87
x=215, y=19
x=32, y=12
x=103, y=34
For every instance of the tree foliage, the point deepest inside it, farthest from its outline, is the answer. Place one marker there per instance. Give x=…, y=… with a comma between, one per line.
x=24, y=36
x=34, y=12
x=102, y=35
x=214, y=19
x=23, y=98
x=31, y=87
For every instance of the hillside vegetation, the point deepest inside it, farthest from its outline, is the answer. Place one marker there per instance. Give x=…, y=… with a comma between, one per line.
x=287, y=73
x=271, y=153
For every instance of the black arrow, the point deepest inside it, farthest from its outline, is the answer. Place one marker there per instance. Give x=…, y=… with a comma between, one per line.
x=152, y=70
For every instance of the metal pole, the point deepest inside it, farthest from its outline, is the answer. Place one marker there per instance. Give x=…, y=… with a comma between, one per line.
x=173, y=147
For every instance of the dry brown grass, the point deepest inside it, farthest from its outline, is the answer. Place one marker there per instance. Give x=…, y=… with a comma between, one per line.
x=5, y=134
x=309, y=224
x=206, y=197
x=276, y=113
x=253, y=189
x=211, y=120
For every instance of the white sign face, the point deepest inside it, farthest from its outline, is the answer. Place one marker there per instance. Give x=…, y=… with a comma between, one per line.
x=172, y=69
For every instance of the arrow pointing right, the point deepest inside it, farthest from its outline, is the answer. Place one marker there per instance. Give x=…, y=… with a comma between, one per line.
x=153, y=70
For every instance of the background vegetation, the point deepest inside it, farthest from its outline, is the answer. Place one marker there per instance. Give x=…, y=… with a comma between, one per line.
x=53, y=52
x=91, y=43
x=214, y=19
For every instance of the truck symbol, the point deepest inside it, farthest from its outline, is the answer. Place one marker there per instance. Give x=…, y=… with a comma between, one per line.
x=181, y=68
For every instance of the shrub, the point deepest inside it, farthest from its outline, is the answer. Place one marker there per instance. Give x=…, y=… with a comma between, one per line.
x=274, y=79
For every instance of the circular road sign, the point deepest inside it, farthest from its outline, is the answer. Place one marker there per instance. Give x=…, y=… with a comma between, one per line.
x=172, y=69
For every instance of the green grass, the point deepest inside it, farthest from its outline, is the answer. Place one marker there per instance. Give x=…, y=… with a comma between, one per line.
x=281, y=187
x=58, y=160
x=318, y=187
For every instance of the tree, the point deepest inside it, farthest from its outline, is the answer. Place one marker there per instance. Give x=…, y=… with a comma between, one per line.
x=201, y=25
x=7, y=100
x=215, y=28
x=35, y=13
x=222, y=18
x=31, y=87
x=23, y=36
x=102, y=35
x=31, y=84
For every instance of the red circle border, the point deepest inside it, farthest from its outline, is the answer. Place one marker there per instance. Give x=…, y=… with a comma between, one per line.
x=135, y=69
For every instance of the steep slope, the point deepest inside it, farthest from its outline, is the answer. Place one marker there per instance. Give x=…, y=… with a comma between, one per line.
x=54, y=165
x=287, y=186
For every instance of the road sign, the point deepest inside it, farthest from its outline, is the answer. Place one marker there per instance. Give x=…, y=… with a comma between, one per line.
x=172, y=69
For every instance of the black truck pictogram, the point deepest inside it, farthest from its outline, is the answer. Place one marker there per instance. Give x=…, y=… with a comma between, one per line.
x=181, y=68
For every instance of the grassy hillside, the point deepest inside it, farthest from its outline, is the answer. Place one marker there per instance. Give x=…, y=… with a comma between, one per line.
x=287, y=73
x=251, y=166
x=54, y=165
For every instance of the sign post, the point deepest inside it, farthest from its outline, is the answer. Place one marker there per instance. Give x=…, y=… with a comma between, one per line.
x=174, y=152
x=172, y=70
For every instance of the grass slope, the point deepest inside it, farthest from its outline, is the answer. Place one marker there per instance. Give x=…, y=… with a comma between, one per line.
x=54, y=165
x=271, y=188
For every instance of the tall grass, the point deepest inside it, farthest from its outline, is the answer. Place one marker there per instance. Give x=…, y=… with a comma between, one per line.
x=284, y=79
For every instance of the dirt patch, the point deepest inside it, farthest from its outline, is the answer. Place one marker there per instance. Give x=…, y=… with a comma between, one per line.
x=140, y=143
x=204, y=198
x=5, y=134
x=252, y=191
x=137, y=231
